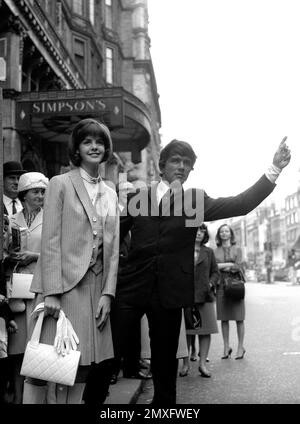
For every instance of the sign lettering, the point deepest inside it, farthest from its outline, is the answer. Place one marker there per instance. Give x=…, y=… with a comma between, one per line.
x=68, y=106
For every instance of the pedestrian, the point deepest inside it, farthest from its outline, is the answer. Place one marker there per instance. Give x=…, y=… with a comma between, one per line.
x=77, y=270
x=12, y=171
x=158, y=278
x=25, y=232
x=7, y=325
x=229, y=259
x=292, y=260
x=206, y=278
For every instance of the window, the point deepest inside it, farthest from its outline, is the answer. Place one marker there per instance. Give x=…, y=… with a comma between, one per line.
x=108, y=14
x=109, y=65
x=2, y=47
x=79, y=53
x=92, y=12
x=78, y=7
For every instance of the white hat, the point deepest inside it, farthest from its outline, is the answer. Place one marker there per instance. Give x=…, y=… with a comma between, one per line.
x=31, y=180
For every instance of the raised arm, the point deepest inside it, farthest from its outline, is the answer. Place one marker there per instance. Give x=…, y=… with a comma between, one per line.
x=243, y=203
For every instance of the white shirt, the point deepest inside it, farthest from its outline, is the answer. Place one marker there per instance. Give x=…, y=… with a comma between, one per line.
x=8, y=203
x=162, y=188
x=91, y=187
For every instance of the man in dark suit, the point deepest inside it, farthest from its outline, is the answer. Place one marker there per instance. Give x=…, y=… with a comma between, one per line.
x=11, y=173
x=157, y=278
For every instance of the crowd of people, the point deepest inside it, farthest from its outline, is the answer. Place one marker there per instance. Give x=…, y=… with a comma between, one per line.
x=67, y=234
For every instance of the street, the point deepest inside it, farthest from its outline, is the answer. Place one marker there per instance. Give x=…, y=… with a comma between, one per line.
x=270, y=370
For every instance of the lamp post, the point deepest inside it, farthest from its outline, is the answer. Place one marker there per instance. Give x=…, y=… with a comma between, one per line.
x=1, y=179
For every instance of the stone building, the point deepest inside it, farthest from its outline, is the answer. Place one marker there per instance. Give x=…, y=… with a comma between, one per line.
x=70, y=59
x=292, y=218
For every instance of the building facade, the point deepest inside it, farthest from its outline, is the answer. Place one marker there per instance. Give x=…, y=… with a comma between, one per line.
x=71, y=59
x=292, y=218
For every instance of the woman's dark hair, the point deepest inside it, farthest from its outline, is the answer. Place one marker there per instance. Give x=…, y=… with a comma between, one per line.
x=176, y=147
x=203, y=227
x=81, y=130
x=218, y=238
x=22, y=194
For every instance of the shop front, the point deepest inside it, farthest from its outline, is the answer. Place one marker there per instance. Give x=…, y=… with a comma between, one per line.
x=44, y=121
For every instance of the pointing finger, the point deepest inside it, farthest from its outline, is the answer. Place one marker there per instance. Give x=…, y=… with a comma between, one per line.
x=283, y=141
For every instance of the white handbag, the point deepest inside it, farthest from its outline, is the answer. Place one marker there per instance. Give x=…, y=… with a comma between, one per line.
x=42, y=361
x=20, y=286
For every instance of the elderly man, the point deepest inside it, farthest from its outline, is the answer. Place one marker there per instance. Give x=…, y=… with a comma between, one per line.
x=11, y=173
x=157, y=278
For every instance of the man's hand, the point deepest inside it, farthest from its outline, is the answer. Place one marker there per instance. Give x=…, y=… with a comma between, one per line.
x=103, y=310
x=282, y=156
x=24, y=258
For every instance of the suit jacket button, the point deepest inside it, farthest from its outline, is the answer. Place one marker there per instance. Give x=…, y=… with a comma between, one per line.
x=94, y=219
x=95, y=233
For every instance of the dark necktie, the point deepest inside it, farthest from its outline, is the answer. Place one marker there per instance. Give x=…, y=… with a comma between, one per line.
x=14, y=209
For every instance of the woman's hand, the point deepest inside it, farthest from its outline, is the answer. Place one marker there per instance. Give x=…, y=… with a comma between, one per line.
x=24, y=257
x=103, y=310
x=12, y=326
x=52, y=306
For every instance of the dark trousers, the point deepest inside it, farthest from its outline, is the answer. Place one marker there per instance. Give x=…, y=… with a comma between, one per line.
x=3, y=378
x=127, y=352
x=164, y=329
x=97, y=383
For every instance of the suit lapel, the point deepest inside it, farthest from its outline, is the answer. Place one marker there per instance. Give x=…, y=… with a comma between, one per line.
x=38, y=220
x=202, y=255
x=82, y=193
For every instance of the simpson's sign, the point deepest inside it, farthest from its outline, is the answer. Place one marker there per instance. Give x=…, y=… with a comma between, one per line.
x=94, y=106
x=68, y=106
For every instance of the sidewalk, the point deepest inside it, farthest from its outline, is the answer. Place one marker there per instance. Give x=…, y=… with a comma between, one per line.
x=125, y=391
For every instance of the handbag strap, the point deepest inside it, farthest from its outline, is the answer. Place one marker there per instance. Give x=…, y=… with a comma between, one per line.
x=16, y=266
x=35, y=337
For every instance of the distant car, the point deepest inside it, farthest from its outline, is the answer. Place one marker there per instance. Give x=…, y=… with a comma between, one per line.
x=281, y=274
x=250, y=275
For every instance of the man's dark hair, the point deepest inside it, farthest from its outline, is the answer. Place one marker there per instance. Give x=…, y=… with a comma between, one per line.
x=176, y=147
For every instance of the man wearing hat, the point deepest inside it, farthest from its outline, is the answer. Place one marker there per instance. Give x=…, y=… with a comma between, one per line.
x=11, y=173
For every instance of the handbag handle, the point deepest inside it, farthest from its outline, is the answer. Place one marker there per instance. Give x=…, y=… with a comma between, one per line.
x=36, y=334
x=16, y=266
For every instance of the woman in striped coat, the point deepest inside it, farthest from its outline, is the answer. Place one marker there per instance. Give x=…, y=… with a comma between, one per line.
x=77, y=270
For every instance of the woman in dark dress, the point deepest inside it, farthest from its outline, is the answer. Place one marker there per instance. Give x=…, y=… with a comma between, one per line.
x=229, y=258
x=206, y=278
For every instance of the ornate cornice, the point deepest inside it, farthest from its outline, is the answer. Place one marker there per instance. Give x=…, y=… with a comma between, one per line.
x=33, y=19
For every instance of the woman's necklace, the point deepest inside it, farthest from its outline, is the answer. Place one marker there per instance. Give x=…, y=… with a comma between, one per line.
x=92, y=180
